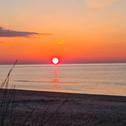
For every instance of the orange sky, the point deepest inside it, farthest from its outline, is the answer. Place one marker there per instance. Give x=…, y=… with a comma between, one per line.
x=73, y=30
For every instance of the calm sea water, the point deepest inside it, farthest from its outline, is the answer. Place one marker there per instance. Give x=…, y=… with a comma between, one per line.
x=107, y=79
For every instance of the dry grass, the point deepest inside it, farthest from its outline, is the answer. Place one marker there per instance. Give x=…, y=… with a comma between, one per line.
x=8, y=113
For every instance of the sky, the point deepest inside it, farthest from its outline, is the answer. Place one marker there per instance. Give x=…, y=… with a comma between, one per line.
x=75, y=31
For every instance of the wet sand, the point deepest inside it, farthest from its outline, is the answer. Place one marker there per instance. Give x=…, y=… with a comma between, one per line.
x=32, y=108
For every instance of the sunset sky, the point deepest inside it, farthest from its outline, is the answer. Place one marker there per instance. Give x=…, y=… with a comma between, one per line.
x=76, y=31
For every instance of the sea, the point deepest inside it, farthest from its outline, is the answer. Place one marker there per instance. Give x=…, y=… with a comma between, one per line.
x=104, y=78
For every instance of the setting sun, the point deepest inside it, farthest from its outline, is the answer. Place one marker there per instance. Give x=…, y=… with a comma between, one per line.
x=55, y=60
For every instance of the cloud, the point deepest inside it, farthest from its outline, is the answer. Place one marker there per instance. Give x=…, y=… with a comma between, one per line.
x=14, y=33
x=99, y=4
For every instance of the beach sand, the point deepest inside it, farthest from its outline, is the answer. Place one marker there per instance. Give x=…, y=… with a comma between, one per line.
x=32, y=108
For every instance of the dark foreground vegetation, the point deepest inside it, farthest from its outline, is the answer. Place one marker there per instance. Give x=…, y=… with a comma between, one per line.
x=30, y=108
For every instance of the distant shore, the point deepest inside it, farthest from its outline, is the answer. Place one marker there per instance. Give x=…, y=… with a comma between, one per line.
x=66, y=109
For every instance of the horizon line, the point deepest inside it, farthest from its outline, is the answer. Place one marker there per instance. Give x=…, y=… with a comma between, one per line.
x=64, y=63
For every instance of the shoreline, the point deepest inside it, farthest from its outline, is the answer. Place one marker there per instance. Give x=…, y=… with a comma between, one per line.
x=67, y=94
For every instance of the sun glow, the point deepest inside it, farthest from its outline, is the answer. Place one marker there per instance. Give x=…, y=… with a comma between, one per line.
x=55, y=60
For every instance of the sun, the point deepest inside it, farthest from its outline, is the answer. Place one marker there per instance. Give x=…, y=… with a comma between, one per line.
x=55, y=60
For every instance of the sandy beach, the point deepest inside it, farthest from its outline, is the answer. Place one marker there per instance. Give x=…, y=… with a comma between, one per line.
x=32, y=108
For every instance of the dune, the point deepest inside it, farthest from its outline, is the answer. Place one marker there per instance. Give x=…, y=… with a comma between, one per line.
x=36, y=108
